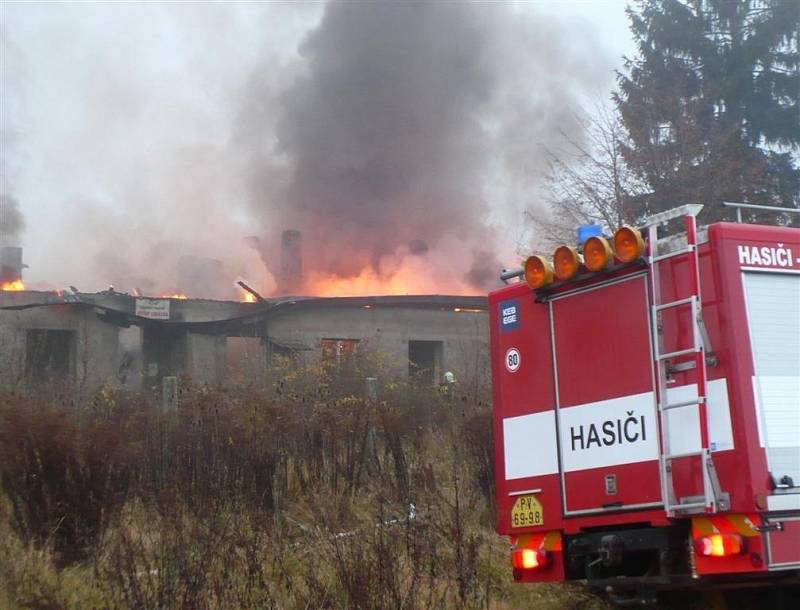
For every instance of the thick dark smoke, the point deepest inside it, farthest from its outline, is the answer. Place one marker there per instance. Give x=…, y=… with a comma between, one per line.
x=384, y=129
x=393, y=131
x=12, y=221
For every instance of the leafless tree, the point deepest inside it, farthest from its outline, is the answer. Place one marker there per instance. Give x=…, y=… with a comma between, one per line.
x=588, y=181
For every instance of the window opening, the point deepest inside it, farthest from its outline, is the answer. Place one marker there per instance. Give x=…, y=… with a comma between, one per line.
x=425, y=361
x=49, y=355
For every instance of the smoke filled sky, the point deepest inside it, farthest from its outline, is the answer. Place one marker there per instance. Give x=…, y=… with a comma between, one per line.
x=133, y=134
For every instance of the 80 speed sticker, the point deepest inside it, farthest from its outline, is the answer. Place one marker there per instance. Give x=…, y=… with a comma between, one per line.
x=513, y=360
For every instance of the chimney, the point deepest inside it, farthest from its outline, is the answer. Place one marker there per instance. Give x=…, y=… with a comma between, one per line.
x=291, y=280
x=10, y=264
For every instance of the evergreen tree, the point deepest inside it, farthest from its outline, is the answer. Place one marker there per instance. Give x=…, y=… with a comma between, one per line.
x=711, y=103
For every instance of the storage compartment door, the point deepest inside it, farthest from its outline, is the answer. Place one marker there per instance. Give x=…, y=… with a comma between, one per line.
x=783, y=552
x=773, y=312
x=608, y=432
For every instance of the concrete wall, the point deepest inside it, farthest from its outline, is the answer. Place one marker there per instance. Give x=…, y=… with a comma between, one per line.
x=383, y=330
x=246, y=360
x=205, y=358
x=97, y=353
x=95, y=350
x=387, y=331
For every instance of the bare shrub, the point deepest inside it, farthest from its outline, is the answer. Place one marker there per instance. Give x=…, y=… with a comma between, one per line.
x=307, y=494
x=175, y=557
x=62, y=478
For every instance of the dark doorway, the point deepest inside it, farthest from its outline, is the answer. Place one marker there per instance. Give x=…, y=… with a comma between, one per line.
x=424, y=361
x=163, y=353
x=49, y=355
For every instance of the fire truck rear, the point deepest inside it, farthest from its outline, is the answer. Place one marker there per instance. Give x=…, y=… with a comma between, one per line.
x=646, y=396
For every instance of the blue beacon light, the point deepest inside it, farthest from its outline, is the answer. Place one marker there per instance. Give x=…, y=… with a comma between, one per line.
x=587, y=231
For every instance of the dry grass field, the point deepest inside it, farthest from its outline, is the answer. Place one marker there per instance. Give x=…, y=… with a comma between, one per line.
x=300, y=493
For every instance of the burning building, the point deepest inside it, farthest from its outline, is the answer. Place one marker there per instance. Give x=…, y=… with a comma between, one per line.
x=112, y=337
x=380, y=154
x=88, y=340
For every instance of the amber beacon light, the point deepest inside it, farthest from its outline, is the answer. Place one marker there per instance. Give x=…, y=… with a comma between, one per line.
x=538, y=272
x=596, y=253
x=566, y=262
x=628, y=244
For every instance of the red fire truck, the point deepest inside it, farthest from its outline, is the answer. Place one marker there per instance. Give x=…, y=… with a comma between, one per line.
x=646, y=397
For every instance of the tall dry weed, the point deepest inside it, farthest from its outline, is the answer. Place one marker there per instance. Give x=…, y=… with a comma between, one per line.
x=306, y=493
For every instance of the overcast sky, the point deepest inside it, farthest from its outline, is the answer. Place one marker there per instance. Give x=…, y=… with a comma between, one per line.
x=122, y=122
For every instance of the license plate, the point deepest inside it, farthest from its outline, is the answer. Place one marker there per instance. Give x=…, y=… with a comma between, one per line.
x=527, y=512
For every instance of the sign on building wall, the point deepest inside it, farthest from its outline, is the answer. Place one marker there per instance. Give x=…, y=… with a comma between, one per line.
x=155, y=309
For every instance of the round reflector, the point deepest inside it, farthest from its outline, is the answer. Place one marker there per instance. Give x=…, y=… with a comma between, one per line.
x=628, y=244
x=538, y=272
x=566, y=262
x=596, y=253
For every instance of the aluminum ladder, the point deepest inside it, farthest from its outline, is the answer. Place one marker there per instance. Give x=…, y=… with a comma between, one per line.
x=712, y=499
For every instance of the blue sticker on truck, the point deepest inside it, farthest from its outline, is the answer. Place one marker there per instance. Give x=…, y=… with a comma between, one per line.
x=509, y=315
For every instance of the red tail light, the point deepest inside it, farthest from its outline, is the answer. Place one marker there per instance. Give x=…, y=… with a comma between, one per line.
x=719, y=545
x=529, y=559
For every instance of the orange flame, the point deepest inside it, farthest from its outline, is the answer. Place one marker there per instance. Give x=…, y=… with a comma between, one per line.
x=178, y=296
x=248, y=297
x=401, y=279
x=15, y=286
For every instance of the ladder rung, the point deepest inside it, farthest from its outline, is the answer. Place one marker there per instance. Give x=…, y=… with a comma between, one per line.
x=679, y=252
x=685, y=403
x=682, y=352
x=675, y=456
x=686, y=301
x=681, y=366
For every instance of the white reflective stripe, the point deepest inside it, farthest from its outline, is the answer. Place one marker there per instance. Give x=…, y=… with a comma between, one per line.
x=529, y=445
x=609, y=432
x=684, y=422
